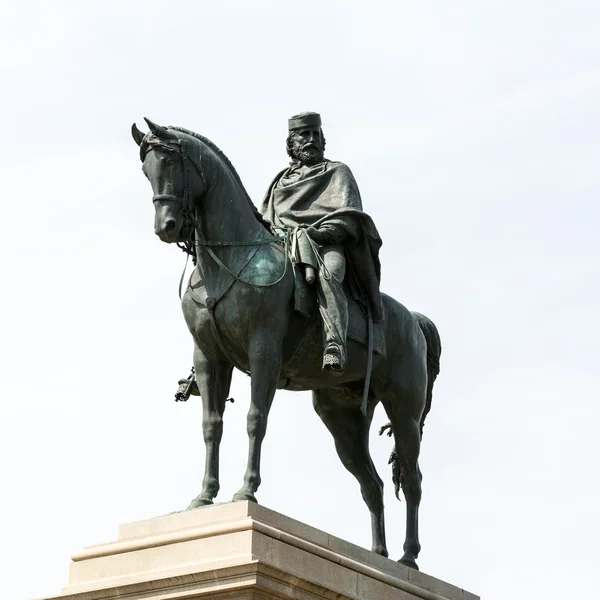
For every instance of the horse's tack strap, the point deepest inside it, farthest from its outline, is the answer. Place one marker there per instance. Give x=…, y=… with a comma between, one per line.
x=367, y=385
x=229, y=272
x=187, y=256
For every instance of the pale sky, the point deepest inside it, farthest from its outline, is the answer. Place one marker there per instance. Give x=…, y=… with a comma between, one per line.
x=473, y=130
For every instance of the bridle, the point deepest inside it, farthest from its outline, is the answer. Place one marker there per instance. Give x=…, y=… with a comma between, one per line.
x=178, y=147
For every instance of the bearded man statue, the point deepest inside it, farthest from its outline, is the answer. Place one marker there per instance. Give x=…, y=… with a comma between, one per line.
x=319, y=198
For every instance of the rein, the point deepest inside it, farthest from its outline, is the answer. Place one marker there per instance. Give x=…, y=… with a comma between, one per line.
x=224, y=267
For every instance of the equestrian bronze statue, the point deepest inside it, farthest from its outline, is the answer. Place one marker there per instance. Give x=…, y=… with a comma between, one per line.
x=290, y=295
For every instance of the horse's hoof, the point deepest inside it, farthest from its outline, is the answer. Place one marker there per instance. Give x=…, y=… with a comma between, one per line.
x=241, y=496
x=381, y=550
x=198, y=502
x=409, y=562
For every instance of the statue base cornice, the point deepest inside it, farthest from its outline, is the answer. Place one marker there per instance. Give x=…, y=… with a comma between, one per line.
x=244, y=551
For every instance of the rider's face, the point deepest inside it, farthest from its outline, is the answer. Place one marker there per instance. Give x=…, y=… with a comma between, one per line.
x=307, y=144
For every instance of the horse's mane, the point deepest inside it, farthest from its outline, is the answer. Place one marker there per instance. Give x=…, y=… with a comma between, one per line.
x=228, y=163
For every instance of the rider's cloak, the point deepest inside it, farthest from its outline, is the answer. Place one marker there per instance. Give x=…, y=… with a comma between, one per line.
x=326, y=195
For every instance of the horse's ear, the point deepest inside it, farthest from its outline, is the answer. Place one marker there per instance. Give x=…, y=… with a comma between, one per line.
x=138, y=136
x=158, y=130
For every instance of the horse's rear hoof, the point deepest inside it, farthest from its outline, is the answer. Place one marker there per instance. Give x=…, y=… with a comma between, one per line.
x=242, y=496
x=409, y=562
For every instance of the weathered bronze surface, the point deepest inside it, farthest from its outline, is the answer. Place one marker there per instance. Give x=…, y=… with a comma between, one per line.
x=247, y=305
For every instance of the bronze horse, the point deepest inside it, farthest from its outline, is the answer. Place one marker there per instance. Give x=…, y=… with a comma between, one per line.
x=239, y=307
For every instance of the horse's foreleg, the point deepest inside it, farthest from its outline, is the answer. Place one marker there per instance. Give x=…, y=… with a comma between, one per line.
x=213, y=381
x=264, y=354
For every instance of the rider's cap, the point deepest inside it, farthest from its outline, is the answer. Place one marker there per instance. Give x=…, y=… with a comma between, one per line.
x=305, y=119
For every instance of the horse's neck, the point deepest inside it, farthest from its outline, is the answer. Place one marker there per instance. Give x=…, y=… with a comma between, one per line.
x=226, y=215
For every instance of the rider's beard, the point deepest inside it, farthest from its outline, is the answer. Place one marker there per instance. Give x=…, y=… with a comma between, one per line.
x=310, y=155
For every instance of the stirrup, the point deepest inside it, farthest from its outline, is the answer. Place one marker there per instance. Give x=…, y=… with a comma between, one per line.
x=334, y=358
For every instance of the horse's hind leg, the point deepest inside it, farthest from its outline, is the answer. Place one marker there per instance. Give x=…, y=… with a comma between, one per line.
x=350, y=430
x=406, y=430
x=410, y=479
x=214, y=380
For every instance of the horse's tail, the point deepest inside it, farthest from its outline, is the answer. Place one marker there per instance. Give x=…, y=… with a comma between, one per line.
x=434, y=351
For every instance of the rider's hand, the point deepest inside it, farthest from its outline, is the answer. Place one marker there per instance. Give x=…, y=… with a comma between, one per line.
x=318, y=236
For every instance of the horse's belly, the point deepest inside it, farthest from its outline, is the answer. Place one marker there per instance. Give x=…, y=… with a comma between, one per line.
x=304, y=370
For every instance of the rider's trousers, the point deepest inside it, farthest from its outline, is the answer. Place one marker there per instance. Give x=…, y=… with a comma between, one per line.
x=333, y=304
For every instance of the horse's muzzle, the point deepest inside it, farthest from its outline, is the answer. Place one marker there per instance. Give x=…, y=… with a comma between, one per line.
x=168, y=231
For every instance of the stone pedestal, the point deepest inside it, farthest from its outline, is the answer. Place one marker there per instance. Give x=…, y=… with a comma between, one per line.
x=240, y=551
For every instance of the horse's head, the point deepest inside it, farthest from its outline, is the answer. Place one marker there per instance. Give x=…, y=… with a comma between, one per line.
x=176, y=179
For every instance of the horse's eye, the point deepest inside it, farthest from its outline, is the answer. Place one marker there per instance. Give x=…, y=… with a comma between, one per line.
x=169, y=162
